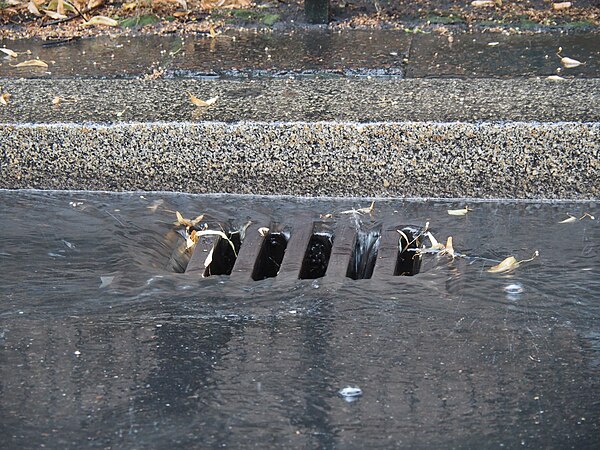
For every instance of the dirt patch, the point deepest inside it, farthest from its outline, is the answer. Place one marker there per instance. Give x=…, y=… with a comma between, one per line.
x=61, y=18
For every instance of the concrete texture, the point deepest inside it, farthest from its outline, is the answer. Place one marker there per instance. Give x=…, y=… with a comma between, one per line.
x=414, y=159
x=310, y=100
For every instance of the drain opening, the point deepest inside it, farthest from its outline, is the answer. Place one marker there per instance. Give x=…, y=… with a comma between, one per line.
x=223, y=256
x=270, y=256
x=408, y=262
x=364, y=254
x=318, y=252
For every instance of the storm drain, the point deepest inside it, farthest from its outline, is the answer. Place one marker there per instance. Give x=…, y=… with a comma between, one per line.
x=310, y=250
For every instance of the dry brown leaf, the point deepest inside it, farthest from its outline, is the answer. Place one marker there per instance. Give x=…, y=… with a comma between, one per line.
x=509, y=264
x=130, y=6
x=56, y=100
x=224, y=4
x=368, y=210
x=448, y=248
x=459, y=212
x=92, y=4
x=569, y=219
x=568, y=63
x=555, y=78
x=561, y=5
x=4, y=97
x=187, y=222
x=33, y=9
x=506, y=265
x=33, y=63
x=9, y=52
x=435, y=245
x=483, y=3
x=54, y=15
x=101, y=20
x=201, y=103
x=60, y=7
x=263, y=231
x=326, y=216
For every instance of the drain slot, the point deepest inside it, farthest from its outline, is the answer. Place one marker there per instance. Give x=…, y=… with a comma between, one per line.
x=223, y=255
x=408, y=262
x=364, y=254
x=318, y=252
x=270, y=256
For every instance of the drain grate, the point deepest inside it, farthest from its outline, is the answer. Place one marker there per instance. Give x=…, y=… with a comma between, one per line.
x=306, y=250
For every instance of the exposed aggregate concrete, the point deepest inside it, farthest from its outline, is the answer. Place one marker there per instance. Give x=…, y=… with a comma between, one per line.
x=415, y=159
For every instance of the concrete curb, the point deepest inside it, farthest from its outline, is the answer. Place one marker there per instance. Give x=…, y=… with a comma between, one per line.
x=406, y=159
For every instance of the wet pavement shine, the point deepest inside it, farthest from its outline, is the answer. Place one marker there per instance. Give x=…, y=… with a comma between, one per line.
x=101, y=346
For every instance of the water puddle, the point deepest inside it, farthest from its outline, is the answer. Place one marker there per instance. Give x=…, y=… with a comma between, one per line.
x=103, y=343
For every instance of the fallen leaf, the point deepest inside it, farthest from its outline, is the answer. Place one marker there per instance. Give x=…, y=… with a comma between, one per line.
x=9, y=52
x=561, y=5
x=56, y=100
x=555, y=78
x=459, y=212
x=448, y=248
x=435, y=245
x=196, y=101
x=33, y=9
x=187, y=222
x=263, y=231
x=587, y=215
x=360, y=211
x=101, y=20
x=130, y=6
x=493, y=44
x=509, y=264
x=506, y=265
x=568, y=63
x=93, y=4
x=570, y=219
x=32, y=63
x=4, y=97
x=326, y=216
x=54, y=15
x=483, y=3
x=368, y=210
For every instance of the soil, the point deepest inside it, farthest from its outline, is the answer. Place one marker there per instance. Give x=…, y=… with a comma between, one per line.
x=19, y=19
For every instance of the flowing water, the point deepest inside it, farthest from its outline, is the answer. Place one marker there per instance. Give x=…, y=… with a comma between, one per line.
x=102, y=345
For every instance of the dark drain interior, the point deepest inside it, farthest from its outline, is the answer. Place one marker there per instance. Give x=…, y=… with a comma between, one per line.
x=364, y=254
x=316, y=249
x=408, y=262
x=318, y=252
x=224, y=257
x=270, y=256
